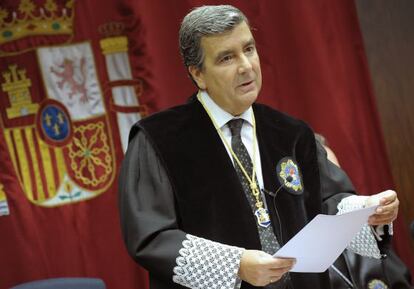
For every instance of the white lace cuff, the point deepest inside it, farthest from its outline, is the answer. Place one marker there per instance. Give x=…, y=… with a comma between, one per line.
x=364, y=243
x=206, y=264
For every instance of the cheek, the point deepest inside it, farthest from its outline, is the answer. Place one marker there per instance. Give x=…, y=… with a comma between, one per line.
x=256, y=66
x=225, y=80
x=256, y=63
x=258, y=75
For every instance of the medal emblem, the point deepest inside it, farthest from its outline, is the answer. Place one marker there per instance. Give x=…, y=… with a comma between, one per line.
x=377, y=284
x=263, y=218
x=290, y=176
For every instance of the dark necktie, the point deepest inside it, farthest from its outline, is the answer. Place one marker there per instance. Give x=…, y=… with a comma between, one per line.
x=267, y=237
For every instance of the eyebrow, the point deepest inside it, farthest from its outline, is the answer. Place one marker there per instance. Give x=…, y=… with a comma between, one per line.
x=221, y=54
x=250, y=42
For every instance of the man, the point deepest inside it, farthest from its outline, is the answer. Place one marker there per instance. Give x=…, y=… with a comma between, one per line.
x=193, y=208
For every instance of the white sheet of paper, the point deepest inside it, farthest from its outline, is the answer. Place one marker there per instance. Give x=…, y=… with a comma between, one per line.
x=323, y=239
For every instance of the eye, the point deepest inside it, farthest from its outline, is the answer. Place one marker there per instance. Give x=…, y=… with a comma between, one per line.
x=226, y=58
x=250, y=49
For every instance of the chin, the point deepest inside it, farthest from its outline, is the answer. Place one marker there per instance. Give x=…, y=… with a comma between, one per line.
x=250, y=97
x=245, y=102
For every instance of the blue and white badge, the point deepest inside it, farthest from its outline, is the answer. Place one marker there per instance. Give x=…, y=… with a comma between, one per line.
x=377, y=284
x=263, y=218
x=290, y=176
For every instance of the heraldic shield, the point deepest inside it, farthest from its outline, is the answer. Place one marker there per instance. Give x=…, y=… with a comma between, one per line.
x=64, y=151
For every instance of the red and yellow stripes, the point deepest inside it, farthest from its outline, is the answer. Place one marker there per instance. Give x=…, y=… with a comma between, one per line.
x=40, y=168
x=2, y=194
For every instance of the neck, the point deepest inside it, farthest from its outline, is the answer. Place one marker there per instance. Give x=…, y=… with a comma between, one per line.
x=228, y=107
x=234, y=111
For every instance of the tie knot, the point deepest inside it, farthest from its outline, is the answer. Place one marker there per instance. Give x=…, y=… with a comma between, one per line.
x=235, y=126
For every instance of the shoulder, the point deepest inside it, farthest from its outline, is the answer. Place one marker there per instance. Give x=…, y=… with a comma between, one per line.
x=167, y=121
x=174, y=114
x=276, y=119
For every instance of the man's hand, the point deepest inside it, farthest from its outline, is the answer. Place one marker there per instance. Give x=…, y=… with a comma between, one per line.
x=259, y=268
x=387, y=211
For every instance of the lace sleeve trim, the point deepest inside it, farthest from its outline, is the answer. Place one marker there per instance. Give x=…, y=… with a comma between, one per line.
x=206, y=264
x=364, y=243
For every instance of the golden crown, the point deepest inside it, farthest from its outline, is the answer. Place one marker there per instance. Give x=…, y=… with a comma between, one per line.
x=33, y=19
x=112, y=29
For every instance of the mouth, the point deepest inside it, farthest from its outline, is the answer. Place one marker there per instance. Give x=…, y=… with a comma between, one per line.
x=246, y=83
x=247, y=86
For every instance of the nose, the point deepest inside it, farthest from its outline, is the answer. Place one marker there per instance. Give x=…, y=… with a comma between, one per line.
x=245, y=64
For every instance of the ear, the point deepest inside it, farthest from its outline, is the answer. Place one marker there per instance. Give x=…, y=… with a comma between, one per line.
x=197, y=76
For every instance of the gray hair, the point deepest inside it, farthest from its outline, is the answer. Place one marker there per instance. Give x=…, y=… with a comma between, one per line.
x=205, y=21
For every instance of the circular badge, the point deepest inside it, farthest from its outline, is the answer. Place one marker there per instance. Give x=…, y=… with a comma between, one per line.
x=289, y=176
x=377, y=284
x=53, y=123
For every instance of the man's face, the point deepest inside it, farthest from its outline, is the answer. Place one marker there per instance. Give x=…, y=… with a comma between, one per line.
x=231, y=72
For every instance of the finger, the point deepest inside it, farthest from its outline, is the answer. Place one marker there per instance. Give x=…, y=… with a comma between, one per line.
x=278, y=277
x=391, y=207
x=281, y=263
x=376, y=222
x=279, y=272
x=275, y=278
x=269, y=279
x=387, y=214
x=388, y=197
x=382, y=219
x=384, y=216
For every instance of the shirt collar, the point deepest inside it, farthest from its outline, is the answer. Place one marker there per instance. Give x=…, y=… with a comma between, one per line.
x=221, y=117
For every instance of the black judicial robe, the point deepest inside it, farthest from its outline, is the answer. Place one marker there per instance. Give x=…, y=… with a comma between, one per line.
x=198, y=191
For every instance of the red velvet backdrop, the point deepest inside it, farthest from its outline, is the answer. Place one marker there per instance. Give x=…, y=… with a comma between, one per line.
x=314, y=67
x=81, y=238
